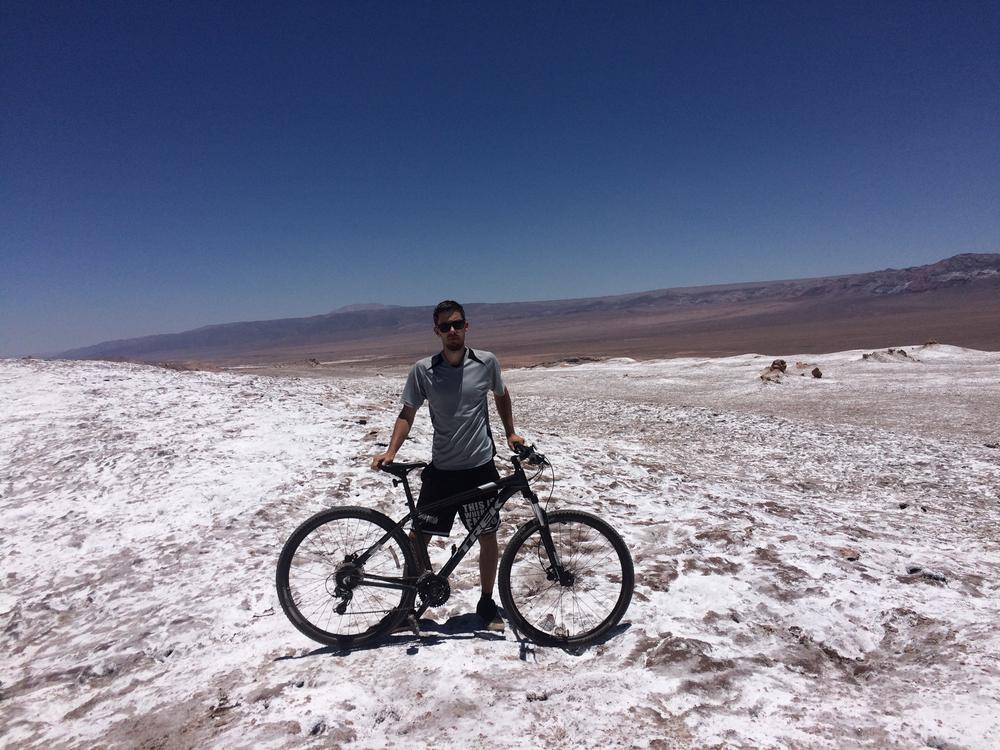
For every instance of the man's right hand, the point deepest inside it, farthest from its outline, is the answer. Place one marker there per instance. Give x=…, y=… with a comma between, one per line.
x=399, y=432
x=382, y=458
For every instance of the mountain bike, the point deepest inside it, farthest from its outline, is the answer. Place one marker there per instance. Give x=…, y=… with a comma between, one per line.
x=349, y=576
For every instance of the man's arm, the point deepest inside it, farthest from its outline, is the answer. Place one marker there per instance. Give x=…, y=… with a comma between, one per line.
x=399, y=432
x=506, y=412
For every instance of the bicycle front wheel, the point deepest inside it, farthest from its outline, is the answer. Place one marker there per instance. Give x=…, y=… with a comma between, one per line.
x=581, y=603
x=331, y=598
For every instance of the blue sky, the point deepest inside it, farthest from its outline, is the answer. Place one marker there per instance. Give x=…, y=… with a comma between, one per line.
x=170, y=165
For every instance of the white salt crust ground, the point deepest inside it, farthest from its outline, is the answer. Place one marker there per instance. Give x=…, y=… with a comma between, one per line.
x=143, y=510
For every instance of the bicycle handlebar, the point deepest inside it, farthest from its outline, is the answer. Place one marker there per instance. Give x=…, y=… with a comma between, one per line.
x=525, y=453
x=528, y=454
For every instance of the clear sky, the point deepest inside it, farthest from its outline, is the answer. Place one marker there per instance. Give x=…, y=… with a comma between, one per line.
x=166, y=165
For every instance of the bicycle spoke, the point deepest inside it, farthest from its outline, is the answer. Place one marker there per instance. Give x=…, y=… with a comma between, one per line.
x=567, y=610
x=327, y=547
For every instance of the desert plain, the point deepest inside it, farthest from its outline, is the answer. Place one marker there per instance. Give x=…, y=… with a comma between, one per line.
x=817, y=559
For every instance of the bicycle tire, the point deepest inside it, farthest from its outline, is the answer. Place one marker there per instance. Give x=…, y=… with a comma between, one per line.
x=307, y=565
x=575, y=615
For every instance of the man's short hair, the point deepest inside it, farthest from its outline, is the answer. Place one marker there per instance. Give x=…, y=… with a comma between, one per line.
x=446, y=308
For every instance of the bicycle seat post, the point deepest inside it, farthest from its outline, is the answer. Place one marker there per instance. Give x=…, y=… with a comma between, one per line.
x=406, y=489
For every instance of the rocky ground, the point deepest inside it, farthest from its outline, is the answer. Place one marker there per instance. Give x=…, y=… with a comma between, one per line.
x=817, y=559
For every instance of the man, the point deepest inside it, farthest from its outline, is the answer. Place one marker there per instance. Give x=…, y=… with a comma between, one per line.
x=455, y=383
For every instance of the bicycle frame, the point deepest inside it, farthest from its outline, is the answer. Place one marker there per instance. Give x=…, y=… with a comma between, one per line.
x=508, y=487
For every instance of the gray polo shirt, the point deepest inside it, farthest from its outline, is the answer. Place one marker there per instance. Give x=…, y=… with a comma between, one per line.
x=456, y=397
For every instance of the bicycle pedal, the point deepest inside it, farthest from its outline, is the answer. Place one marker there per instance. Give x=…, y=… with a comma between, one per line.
x=408, y=624
x=411, y=620
x=496, y=625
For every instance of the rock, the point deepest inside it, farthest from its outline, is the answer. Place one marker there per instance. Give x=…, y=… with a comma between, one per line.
x=915, y=573
x=848, y=554
x=889, y=355
x=904, y=506
x=773, y=373
x=817, y=373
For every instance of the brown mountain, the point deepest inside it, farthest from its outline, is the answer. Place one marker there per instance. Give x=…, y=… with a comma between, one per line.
x=956, y=300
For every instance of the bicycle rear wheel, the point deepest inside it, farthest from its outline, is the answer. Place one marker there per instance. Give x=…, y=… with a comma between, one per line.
x=324, y=592
x=593, y=594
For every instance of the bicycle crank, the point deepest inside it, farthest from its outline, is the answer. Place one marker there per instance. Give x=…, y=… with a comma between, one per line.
x=433, y=589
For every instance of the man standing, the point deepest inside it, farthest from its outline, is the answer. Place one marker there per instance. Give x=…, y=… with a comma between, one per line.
x=455, y=384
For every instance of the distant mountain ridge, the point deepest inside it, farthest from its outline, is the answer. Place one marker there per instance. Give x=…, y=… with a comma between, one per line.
x=363, y=307
x=353, y=328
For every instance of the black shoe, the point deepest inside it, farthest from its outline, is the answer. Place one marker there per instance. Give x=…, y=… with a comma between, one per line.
x=488, y=613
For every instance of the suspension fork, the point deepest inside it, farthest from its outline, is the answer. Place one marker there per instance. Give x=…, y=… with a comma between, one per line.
x=550, y=548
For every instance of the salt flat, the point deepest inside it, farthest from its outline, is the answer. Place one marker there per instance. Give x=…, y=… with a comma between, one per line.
x=817, y=561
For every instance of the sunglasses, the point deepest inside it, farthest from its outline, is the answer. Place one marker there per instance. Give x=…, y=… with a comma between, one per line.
x=453, y=325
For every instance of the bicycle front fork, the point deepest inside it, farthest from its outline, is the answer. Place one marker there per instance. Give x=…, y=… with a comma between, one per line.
x=555, y=571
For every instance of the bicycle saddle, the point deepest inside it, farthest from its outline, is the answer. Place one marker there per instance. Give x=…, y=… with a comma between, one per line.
x=401, y=470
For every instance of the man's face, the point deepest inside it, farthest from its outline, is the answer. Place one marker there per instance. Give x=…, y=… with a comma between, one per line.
x=451, y=339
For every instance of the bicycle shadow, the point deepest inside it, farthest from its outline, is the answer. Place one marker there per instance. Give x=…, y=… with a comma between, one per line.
x=432, y=633
x=528, y=648
x=457, y=628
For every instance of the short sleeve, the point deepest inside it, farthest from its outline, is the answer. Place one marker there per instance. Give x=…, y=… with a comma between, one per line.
x=496, y=383
x=413, y=391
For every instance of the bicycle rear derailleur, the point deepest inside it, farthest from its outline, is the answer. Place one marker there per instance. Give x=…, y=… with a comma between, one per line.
x=433, y=589
x=343, y=581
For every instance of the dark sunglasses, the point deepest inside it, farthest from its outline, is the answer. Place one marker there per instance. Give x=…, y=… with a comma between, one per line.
x=454, y=325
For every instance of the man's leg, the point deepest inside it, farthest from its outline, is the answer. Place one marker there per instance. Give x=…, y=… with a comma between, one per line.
x=487, y=608
x=419, y=543
x=488, y=556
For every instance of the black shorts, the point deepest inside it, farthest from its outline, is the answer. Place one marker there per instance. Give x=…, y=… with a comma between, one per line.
x=437, y=484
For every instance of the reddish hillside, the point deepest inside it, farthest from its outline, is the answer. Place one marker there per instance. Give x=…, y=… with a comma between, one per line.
x=956, y=300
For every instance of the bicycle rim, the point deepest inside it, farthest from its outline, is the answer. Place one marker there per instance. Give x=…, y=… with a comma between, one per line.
x=583, y=608
x=307, y=577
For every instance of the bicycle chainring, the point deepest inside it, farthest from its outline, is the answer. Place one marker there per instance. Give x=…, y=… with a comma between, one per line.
x=433, y=589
